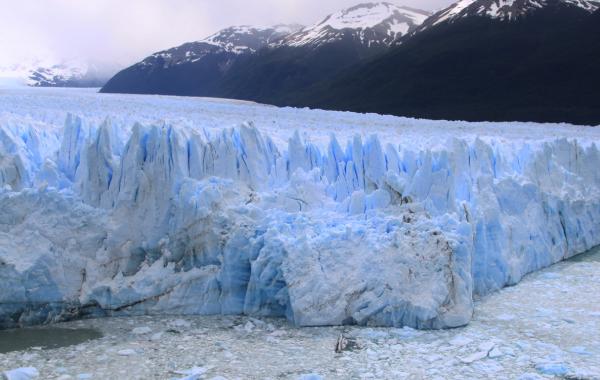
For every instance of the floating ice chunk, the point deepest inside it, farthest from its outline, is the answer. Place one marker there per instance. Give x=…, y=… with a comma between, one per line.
x=486, y=346
x=156, y=336
x=141, y=330
x=180, y=323
x=310, y=376
x=194, y=373
x=579, y=350
x=550, y=276
x=495, y=353
x=554, y=369
x=530, y=376
x=126, y=352
x=506, y=317
x=247, y=327
x=24, y=373
x=460, y=341
x=484, y=350
x=406, y=332
x=474, y=357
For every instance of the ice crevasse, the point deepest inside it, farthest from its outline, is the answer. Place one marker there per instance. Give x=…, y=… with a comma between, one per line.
x=105, y=219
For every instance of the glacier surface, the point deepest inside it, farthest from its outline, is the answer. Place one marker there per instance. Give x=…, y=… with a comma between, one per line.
x=123, y=205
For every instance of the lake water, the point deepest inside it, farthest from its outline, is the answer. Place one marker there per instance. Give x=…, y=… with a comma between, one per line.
x=44, y=338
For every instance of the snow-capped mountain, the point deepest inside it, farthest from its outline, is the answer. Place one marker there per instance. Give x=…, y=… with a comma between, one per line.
x=306, y=58
x=234, y=40
x=242, y=39
x=265, y=64
x=369, y=23
x=500, y=9
x=478, y=60
x=53, y=73
x=196, y=68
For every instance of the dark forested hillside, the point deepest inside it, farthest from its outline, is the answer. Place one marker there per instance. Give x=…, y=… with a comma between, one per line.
x=543, y=66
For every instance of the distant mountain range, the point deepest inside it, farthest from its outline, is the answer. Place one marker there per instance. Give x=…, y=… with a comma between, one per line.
x=267, y=63
x=318, y=52
x=51, y=73
x=530, y=60
x=196, y=68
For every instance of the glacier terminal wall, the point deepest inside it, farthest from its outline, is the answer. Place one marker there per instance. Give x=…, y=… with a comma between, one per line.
x=109, y=217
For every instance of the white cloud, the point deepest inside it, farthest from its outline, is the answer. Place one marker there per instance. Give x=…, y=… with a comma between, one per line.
x=126, y=30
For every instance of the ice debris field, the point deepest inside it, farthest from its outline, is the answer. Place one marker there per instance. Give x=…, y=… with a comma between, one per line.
x=554, y=335
x=130, y=205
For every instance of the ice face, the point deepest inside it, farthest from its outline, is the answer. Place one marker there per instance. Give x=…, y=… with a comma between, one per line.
x=118, y=217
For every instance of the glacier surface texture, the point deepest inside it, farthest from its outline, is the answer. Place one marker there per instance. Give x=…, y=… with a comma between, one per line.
x=123, y=205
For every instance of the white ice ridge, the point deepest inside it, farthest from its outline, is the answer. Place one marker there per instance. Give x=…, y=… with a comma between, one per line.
x=111, y=219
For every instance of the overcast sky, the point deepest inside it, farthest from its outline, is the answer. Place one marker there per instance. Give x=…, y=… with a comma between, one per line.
x=125, y=31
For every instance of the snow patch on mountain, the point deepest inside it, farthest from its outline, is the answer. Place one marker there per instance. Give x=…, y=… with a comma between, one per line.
x=44, y=72
x=369, y=15
x=500, y=9
x=242, y=39
x=373, y=23
x=233, y=41
x=53, y=73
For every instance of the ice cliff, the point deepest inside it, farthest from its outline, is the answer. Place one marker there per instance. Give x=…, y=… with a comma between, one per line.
x=102, y=218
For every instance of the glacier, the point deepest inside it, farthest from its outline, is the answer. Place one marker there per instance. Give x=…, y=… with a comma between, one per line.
x=130, y=205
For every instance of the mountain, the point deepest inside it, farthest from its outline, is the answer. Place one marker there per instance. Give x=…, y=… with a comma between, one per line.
x=268, y=64
x=371, y=24
x=53, y=73
x=318, y=52
x=195, y=68
x=496, y=60
x=499, y=9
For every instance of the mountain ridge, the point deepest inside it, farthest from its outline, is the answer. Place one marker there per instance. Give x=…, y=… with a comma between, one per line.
x=499, y=9
x=195, y=68
x=54, y=73
x=372, y=23
x=480, y=68
x=284, y=58
x=497, y=60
